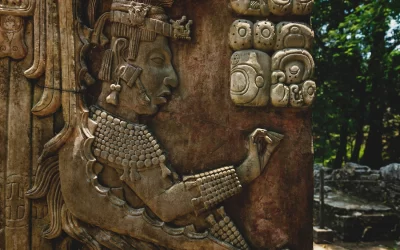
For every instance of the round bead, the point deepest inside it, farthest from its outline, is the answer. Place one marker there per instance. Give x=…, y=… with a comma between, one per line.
x=118, y=160
x=140, y=164
x=147, y=163
x=155, y=161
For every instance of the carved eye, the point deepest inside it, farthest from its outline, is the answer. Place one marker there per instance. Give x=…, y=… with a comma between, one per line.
x=158, y=60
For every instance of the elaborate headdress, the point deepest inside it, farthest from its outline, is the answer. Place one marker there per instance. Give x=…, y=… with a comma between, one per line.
x=142, y=22
x=136, y=21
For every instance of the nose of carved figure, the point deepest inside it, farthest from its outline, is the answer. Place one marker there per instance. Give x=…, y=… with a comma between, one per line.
x=171, y=81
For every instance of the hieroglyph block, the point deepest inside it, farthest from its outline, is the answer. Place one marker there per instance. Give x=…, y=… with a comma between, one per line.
x=267, y=37
x=17, y=7
x=12, y=37
x=272, y=7
x=291, y=84
x=250, y=78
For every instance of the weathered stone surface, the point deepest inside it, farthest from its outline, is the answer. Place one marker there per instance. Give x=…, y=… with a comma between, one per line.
x=355, y=219
x=95, y=192
x=274, y=7
x=323, y=235
x=391, y=172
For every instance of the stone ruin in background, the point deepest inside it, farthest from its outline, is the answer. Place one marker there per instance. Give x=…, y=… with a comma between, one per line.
x=360, y=203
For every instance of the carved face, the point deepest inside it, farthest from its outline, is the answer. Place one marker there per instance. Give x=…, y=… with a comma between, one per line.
x=158, y=77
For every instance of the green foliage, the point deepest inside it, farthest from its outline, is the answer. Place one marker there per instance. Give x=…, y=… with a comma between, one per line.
x=357, y=54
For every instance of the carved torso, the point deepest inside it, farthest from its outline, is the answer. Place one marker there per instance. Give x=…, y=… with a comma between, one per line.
x=125, y=146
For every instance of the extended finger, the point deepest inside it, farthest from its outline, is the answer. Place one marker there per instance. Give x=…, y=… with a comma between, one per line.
x=268, y=139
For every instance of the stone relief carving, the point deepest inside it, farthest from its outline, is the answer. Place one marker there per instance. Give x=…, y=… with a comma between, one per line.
x=280, y=7
x=292, y=65
x=12, y=42
x=250, y=78
x=17, y=7
x=291, y=84
x=12, y=28
x=241, y=35
x=267, y=37
x=120, y=170
x=294, y=35
x=264, y=36
x=276, y=7
x=16, y=207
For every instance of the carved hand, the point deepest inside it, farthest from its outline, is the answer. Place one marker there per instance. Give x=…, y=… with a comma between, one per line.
x=261, y=145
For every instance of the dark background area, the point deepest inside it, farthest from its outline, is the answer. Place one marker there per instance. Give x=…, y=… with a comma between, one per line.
x=357, y=113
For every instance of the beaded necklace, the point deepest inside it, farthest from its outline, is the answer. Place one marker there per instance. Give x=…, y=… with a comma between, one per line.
x=124, y=145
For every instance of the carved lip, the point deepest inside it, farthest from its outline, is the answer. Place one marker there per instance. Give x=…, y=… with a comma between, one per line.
x=162, y=98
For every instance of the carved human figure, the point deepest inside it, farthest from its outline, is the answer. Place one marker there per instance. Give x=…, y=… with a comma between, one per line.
x=115, y=181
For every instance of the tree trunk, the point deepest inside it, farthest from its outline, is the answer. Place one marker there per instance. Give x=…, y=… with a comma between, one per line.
x=359, y=140
x=341, y=153
x=373, y=150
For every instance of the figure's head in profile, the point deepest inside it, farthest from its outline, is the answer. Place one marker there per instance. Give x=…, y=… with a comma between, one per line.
x=136, y=70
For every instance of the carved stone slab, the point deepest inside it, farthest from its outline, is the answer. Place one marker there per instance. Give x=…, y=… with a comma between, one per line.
x=294, y=35
x=292, y=70
x=17, y=7
x=105, y=149
x=272, y=7
x=12, y=42
x=250, y=78
x=292, y=64
x=267, y=37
